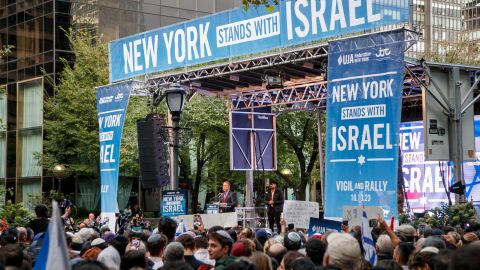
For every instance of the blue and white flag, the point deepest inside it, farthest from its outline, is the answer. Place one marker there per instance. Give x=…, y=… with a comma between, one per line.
x=370, y=253
x=54, y=252
x=181, y=228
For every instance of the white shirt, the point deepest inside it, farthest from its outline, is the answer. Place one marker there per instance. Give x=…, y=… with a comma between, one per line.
x=202, y=255
x=157, y=262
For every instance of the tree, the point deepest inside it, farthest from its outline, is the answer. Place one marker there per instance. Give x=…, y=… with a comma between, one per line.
x=297, y=130
x=269, y=5
x=463, y=52
x=208, y=119
x=71, y=124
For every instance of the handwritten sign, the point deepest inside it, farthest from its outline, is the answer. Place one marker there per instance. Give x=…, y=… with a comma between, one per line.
x=353, y=214
x=299, y=213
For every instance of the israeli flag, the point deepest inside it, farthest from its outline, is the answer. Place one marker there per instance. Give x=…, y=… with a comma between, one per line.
x=181, y=228
x=370, y=253
x=54, y=252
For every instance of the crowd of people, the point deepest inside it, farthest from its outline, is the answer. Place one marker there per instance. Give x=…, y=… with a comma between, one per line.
x=219, y=248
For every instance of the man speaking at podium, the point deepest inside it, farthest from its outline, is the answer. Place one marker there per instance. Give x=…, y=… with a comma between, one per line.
x=227, y=199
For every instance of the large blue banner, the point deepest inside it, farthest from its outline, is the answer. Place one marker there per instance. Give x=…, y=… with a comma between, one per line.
x=425, y=181
x=112, y=102
x=365, y=81
x=238, y=32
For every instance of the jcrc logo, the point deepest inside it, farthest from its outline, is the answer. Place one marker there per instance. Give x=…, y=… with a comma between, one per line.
x=345, y=59
x=119, y=97
x=383, y=52
x=104, y=100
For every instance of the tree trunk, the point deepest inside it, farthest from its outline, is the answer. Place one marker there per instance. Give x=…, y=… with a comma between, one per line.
x=200, y=153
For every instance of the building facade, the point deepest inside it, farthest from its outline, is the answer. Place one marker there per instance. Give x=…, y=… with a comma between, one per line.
x=472, y=19
x=440, y=22
x=36, y=30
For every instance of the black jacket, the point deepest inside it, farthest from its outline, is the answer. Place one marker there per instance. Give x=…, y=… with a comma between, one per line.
x=277, y=200
x=231, y=201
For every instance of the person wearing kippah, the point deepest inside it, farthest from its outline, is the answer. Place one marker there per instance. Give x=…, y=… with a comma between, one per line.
x=219, y=247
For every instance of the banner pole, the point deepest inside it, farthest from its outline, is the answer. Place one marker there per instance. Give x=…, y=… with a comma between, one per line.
x=320, y=156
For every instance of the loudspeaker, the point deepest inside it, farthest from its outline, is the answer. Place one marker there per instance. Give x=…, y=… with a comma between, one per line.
x=152, y=152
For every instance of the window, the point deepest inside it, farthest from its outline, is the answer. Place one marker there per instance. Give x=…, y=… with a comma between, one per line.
x=29, y=119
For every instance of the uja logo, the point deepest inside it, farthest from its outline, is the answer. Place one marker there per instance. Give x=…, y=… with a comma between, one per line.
x=383, y=52
x=345, y=59
x=104, y=100
x=119, y=97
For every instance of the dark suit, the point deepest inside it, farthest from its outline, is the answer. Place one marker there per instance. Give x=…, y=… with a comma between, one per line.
x=276, y=210
x=230, y=198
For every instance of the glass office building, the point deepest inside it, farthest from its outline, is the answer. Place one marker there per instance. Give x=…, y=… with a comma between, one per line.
x=471, y=14
x=34, y=28
x=440, y=22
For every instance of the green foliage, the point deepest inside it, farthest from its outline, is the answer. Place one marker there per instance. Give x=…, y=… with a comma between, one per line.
x=70, y=116
x=459, y=214
x=14, y=213
x=71, y=124
x=297, y=148
x=46, y=198
x=269, y=5
x=461, y=52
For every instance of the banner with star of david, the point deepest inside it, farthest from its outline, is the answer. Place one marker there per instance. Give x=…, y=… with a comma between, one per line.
x=365, y=81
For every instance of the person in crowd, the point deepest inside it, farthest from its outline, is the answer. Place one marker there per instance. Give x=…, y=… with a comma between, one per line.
x=315, y=250
x=167, y=226
x=40, y=223
x=219, y=247
x=384, y=247
x=277, y=252
x=188, y=244
x=246, y=233
x=402, y=252
x=133, y=258
x=262, y=235
x=388, y=265
x=91, y=222
x=174, y=258
x=293, y=241
x=156, y=244
x=289, y=259
x=242, y=248
x=406, y=233
x=13, y=255
x=274, y=201
x=261, y=261
x=227, y=199
x=343, y=251
x=128, y=211
x=303, y=263
x=201, y=252
x=423, y=260
x=110, y=258
x=137, y=211
x=466, y=258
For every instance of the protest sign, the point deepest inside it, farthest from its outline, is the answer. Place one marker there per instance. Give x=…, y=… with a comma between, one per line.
x=174, y=203
x=353, y=214
x=321, y=226
x=299, y=213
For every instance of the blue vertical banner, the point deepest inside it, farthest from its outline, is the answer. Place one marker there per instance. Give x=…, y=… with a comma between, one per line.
x=365, y=83
x=112, y=103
